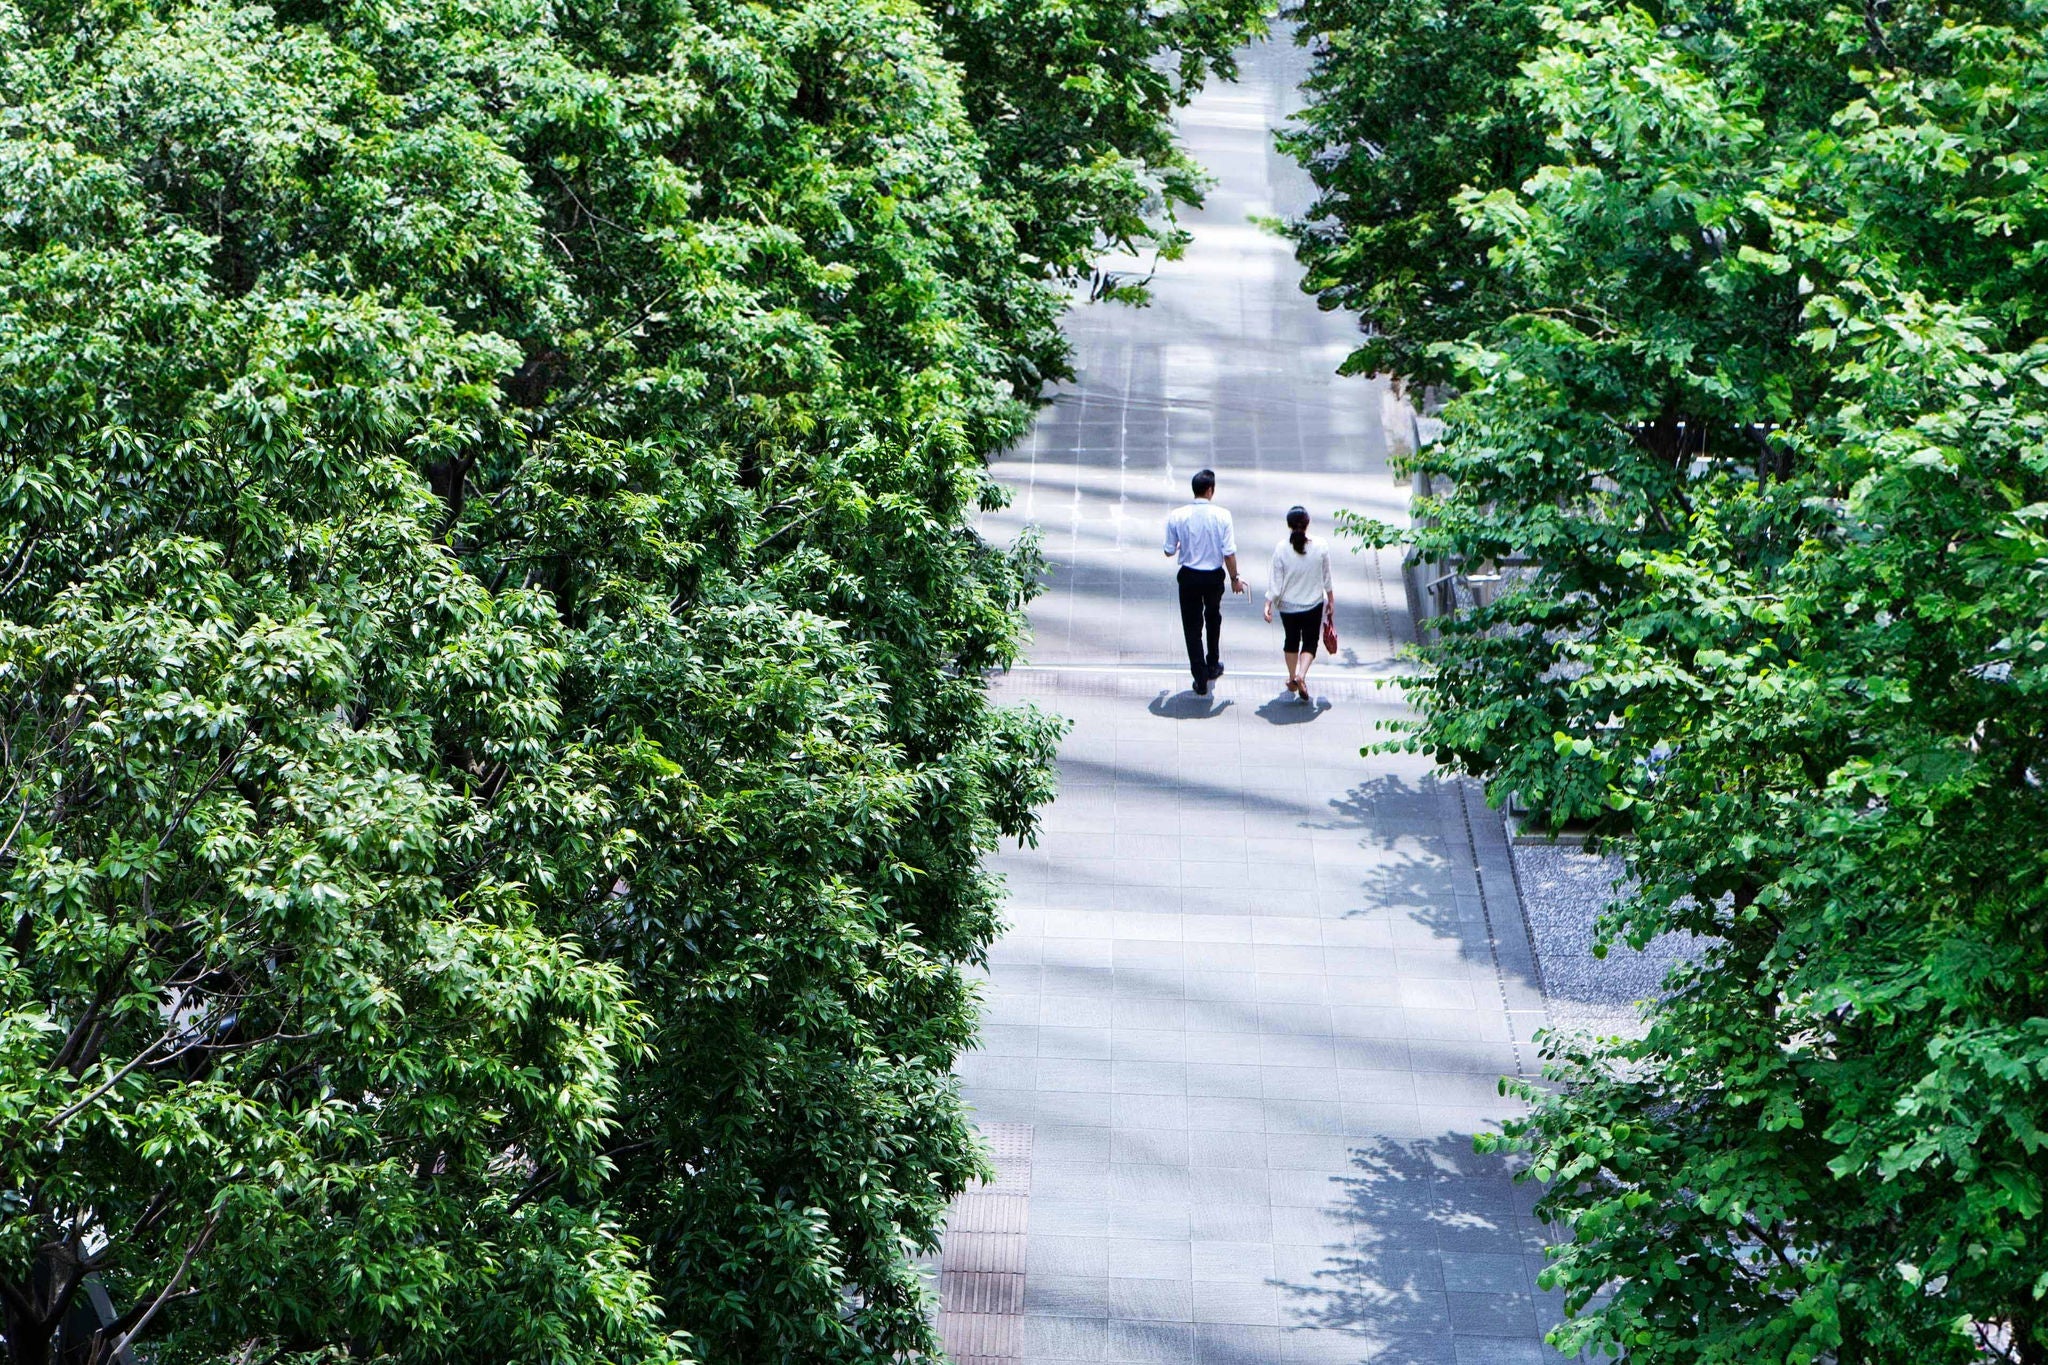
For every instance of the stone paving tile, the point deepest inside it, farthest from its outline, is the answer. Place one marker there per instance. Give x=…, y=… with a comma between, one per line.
x=1257, y=990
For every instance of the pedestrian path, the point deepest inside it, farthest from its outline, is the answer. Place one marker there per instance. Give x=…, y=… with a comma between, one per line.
x=1257, y=989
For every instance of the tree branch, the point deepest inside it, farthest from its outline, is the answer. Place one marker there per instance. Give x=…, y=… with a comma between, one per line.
x=171, y=1286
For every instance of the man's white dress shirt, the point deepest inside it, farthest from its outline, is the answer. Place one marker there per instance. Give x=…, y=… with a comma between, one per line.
x=1202, y=534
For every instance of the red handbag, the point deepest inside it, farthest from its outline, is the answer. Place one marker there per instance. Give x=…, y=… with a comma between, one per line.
x=1330, y=630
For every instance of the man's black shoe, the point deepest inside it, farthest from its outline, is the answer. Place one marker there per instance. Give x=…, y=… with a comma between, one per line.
x=1201, y=687
x=1215, y=671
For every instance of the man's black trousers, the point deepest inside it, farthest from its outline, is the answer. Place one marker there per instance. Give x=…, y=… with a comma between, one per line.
x=1201, y=604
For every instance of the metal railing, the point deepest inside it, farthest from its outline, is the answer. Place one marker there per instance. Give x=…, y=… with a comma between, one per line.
x=1441, y=588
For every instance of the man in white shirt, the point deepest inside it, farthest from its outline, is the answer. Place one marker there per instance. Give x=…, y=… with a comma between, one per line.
x=1202, y=536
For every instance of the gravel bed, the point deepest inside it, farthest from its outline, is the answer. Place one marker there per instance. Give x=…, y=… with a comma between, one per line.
x=1564, y=890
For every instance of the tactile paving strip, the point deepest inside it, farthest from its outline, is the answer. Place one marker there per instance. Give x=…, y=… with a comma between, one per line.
x=981, y=1263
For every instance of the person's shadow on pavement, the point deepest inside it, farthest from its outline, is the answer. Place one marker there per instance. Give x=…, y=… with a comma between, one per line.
x=1185, y=705
x=1288, y=709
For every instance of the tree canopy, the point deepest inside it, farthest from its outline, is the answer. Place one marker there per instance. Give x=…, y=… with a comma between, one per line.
x=1746, y=346
x=492, y=649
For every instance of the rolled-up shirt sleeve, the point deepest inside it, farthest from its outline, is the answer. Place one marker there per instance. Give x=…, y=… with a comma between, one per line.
x=1229, y=535
x=1172, y=538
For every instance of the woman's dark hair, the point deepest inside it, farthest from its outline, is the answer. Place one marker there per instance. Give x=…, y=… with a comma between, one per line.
x=1297, y=525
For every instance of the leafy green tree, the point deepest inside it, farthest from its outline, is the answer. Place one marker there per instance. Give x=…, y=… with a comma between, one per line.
x=1074, y=103
x=1768, y=415
x=1409, y=104
x=491, y=676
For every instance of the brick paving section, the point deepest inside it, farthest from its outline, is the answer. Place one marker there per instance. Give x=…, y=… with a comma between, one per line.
x=1257, y=989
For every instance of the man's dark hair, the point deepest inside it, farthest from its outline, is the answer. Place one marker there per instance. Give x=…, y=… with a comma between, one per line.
x=1204, y=482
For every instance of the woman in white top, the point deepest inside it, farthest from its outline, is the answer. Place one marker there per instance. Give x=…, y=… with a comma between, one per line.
x=1300, y=584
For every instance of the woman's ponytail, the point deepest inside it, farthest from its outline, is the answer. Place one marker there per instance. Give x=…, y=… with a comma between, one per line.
x=1297, y=528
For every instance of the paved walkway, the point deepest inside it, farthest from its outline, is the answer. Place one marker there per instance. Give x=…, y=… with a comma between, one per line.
x=1257, y=989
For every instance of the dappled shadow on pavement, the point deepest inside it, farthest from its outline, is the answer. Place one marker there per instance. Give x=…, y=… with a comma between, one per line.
x=1370, y=806
x=1401, y=822
x=1437, y=1262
